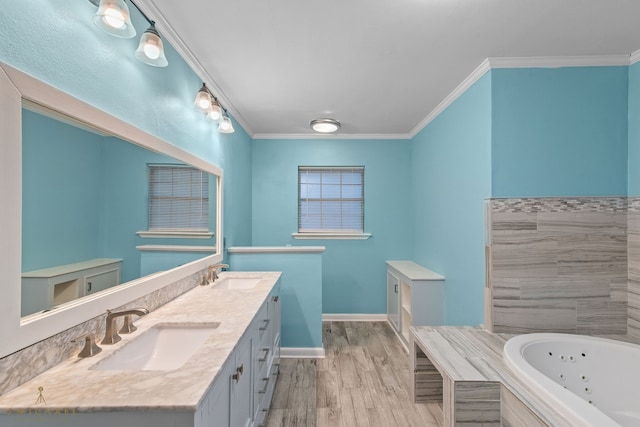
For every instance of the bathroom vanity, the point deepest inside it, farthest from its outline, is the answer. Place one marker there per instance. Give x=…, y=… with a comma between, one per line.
x=227, y=380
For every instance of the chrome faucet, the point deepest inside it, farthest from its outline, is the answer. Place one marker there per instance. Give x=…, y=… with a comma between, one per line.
x=111, y=335
x=213, y=271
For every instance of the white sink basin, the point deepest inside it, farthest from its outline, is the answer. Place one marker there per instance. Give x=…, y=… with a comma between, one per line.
x=164, y=347
x=237, y=283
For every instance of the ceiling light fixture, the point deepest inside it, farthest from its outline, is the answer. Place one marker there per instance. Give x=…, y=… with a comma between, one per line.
x=325, y=125
x=113, y=17
x=150, y=50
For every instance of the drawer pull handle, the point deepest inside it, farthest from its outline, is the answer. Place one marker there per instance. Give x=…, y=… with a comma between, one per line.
x=266, y=324
x=266, y=384
x=276, y=298
x=266, y=353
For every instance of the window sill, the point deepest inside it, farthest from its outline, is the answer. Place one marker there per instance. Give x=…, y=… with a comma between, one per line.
x=175, y=234
x=331, y=236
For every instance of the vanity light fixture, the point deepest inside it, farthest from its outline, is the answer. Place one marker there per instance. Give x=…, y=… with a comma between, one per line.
x=225, y=125
x=207, y=103
x=215, y=111
x=150, y=50
x=113, y=17
x=325, y=125
x=203, y=99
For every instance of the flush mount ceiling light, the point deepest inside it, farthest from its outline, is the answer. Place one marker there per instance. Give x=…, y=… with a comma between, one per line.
x=325, y=125
x=113, y=17
x=150, y=50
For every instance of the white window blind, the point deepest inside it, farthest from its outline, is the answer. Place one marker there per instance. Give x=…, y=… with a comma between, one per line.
x=330, y=199
x=178, y=198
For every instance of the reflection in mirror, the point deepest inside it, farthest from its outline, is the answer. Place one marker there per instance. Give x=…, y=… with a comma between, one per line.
x=90, y=204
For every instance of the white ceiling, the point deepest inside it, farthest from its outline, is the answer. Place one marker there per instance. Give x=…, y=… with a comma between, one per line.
x=378, y=66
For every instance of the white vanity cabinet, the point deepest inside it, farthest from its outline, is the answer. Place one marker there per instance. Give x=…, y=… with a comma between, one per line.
x=242, y=394
x=267, y=358
x=415, y=297
x=48, y=287
x=239, y=396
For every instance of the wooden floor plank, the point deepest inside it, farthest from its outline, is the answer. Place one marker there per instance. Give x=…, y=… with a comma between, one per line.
x=362, y=381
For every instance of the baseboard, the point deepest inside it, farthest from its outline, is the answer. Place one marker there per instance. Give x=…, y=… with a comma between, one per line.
x=331, y=317
x=301, y=352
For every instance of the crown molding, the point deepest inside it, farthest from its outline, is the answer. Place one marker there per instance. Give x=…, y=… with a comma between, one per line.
x=167, y=31
x=525, y=62
x=559, y=61
x=331, y=136
x=471, y=79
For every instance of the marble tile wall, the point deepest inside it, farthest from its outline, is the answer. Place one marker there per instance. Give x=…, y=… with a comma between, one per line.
x=633, y=240
x=21, y=366
x=558, y=265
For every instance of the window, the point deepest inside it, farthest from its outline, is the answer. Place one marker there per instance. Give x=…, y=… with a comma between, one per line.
x=330, y=201
x=178, y=199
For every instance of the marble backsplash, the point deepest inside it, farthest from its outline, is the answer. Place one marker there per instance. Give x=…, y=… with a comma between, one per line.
x=21, y=366
x=558, y=265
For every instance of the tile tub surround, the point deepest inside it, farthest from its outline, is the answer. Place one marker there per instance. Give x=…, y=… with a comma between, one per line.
x=557, y=265
x=23, y=365
x=72, y=385
x=633, y=244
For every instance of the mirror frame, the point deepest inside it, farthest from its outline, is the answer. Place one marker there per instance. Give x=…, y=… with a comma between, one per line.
x=17, y=333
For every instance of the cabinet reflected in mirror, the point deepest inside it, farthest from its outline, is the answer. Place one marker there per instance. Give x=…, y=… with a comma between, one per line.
x=85, y=201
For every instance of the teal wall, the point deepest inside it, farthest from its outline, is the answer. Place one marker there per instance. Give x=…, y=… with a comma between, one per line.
x=58, y=43
x=633, y=183
x=85, y=196
x=450, y=178
x=300, y=292
x=353, y=271
x=559, y=132
x=61, y=213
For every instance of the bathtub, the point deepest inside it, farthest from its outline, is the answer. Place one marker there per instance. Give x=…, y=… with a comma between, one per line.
x=591, y=381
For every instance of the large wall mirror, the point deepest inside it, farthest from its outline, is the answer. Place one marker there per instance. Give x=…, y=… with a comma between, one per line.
x=89, y=213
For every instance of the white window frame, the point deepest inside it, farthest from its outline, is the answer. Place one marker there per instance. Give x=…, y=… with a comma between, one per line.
x=341, y=234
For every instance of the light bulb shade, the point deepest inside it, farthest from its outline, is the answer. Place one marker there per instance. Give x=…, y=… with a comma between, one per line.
x=215, y=111
x=325, y=125
x=203, y=99
x=113, y=17
x=225, y=125
x=150, y=50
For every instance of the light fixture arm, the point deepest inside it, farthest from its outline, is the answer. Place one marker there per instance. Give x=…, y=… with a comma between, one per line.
x=142, y=13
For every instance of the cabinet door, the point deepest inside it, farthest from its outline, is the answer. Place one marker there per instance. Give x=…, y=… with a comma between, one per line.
x=102, y=280
x=241, y=395
x=393, y=285
x=274, y=314
x=215, y=409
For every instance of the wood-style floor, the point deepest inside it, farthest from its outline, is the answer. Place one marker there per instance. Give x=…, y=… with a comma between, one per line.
x=362, y=381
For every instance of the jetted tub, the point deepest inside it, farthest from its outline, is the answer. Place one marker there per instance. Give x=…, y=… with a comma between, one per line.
x=592, y=381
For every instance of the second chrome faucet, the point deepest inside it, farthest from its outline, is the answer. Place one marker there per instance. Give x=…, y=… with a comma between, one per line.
x=111, y=334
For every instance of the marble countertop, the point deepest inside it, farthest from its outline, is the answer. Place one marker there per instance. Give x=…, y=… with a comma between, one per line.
x=74, y=386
